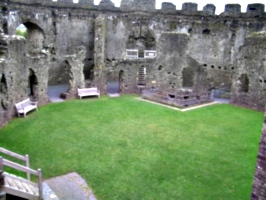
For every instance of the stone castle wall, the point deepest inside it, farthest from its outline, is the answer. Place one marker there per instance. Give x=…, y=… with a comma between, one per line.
x=207, y=45
x=81, y=44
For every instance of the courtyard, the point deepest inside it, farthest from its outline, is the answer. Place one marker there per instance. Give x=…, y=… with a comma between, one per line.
x=130, y=149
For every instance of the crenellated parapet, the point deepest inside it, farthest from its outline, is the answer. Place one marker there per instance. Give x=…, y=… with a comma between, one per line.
x=255, y=10
x=188, y=8
x=210, y=9
x=106, y=5
x=144, y=5
x=168, y=7
x=233, y=10
x=89, y=4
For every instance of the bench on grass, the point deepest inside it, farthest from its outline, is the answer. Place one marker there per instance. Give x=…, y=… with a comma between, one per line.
x=25, y=106
x=88, y=92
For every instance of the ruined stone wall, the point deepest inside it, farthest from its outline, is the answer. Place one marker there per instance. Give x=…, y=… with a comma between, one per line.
x=13, y=75
x=190, y=45
x=259, y=183
x=210, y=45
x=71, y=29
x=84, y=45
x=249, y=80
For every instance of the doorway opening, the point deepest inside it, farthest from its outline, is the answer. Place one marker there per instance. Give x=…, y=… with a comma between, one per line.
x=60, y=78
x=33, y=82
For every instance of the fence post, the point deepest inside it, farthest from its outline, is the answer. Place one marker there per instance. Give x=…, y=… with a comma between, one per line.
x=40, y=184
x=27, y=165
x=2, y=183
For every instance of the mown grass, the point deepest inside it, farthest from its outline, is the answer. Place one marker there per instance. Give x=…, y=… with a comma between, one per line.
x=128, y=149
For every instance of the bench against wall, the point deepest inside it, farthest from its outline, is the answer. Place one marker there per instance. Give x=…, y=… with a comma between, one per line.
x=25, y=106
x=88, y=92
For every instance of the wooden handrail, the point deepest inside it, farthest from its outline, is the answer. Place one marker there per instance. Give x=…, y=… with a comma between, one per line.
x=18, y=167
x=10, y=153
x=27, y=169
x=18, y=156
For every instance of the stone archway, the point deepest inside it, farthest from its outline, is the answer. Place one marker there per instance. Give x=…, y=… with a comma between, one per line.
x=112, y=83
x=35, y=38
x=60, y=80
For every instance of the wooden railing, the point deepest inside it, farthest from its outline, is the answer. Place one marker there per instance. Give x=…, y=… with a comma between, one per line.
x=150, y=54
x=18, y=156
x=132, y=53
x=17, y=185
x=135, y=54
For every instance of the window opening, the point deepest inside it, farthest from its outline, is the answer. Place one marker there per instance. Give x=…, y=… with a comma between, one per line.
x=21, y=30
x=244, y=83
x=121, y=81
x=188, y=77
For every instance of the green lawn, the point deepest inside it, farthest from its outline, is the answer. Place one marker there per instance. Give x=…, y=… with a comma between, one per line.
x=129, y=149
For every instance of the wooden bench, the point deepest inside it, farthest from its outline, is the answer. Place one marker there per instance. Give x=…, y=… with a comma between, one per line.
x=25, y=106
x=88, y=92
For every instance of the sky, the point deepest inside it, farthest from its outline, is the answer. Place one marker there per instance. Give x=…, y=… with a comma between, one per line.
x=201, y=3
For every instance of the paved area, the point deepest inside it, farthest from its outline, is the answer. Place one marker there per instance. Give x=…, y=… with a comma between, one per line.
x=113, y=88
x=55, y=91
x=69, y=187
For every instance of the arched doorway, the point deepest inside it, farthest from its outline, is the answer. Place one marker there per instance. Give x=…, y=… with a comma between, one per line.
x=34, y=36
x=33, y=82
x=59, y=82
x=115, y=84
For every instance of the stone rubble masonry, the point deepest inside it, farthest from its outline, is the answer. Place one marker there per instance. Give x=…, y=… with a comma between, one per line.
x=259, y=184
x=82, y=45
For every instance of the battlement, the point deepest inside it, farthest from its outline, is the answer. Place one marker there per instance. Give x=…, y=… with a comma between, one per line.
x=63, y=3
x=168, y=7
x=210, y=9
x=255, y=10
x=233, y=10
x=189, y=7
x=106, y=5
x=138, y=5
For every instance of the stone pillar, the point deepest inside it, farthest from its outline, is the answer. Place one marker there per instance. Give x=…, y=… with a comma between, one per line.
x=76, y=70
x=259, y=184
x=100, y=53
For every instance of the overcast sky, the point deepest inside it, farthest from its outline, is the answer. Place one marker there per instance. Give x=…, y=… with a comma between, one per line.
x=201, y=3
